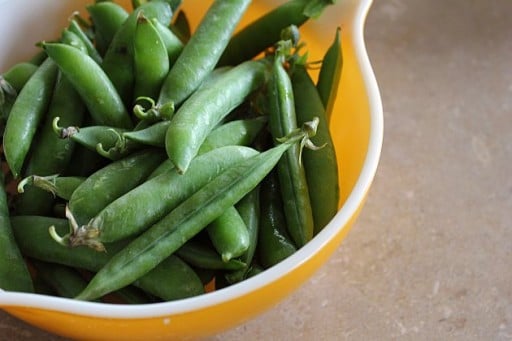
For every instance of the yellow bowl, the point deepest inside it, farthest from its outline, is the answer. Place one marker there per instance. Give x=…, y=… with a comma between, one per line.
x=357, y=128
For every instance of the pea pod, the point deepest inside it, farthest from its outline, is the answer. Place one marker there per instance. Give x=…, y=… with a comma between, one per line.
x=74, y=27
x=172, y=42
x=292, y=178
x=93, y=85
x=60, y=186
x=185, y=221
x=194, y=120
x=14, y=275
x=171, y=279
x=330, y=74
x=27, y=113
x=155, y=198
x=202, y=51
x=229, y=235
x=110, y=182
x=320, y=166
x=266, y=30
x=107, y=17
x=203, y=256
x=151, y=62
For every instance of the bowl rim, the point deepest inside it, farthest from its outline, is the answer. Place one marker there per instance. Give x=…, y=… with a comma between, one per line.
x=339, y=221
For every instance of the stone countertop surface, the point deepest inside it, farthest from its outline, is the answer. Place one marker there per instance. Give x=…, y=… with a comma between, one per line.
x=430, y=256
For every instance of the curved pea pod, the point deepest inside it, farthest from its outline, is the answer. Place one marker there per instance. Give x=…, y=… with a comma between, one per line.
x=330, y=74
x=172, y=42
x=171, y=279
x=203, y=256
x=274, y=243
x=27, y=113
x=60, y=186
x=110, y=182
x=154, y=135
x=229, y=235
x=266, y=30
x=194, y=120
x=71, y=38
x=155, y=198
x=107, y=17
x=118, y=59
x=201, y=53
x=97, y=91
x=185, y=221
x=292, y=177
x=14, y=275
x=320, y=166
x=74, y=27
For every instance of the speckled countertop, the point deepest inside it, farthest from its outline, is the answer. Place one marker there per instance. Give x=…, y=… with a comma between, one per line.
x=430, y=257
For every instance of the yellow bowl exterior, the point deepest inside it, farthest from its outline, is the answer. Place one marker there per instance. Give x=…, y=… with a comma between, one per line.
x=351, y=129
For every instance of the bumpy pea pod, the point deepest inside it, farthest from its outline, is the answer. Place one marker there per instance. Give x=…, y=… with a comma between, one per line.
x=171, y=279
x=27, y=113
x=185, y=221
x=320, y=166
x=330, y=74
x=74, y=27
x=110, y=182
x=274, y=243
x=202, y=51
x=107, y=141
x=266, y=30
x=93, y=85
x=282, y=120
x=60, y=186
x=205, y=109
x=14, y=275
x=118, y=59
x=107, y=17
x=151, y=62
x=155, y=198
x=204, y=256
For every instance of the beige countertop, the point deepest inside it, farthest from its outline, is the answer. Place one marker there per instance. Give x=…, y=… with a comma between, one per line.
x=430, y=256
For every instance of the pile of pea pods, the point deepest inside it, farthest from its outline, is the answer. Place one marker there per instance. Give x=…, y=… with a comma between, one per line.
x=144, y=161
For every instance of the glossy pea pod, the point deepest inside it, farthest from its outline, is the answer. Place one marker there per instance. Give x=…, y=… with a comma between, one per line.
x=97, y=91
x=172, y=42
x=74, y=27
x=184, y=222
x=27, y=113
x=171, y=279
x=110, y=182
x=321, y=165
x=194, y=120
x=150, y=59
x=118, y=59
x=203, y=256
x=155, y=198
x=274, y=242
x=266, y=30
x=14, y=274
x=292, y=178
x=58, y=186
x=107, y=17
x=202, y=52
x=330, y=74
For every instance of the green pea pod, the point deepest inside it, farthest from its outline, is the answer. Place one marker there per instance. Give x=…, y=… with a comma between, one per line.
x=151, y=61
x=110, y=182
x=107, y=17
x=330, y=74
x=172, y=42
x=118, y=59
x=202, y=51
x=154, y=135
x=229, y=235
x=171, y=279
x=74, y=27
x=26, y=114
x=266, y=30
x=14, y=275
x=93, y=85
x=203, y=256
x=70, y=38
x=51, y=155
x=282, y=121
x=320, y=166
x=274, y=243
x=60, y=186
x=194, y=120
x=155, y=198
x=185, y=221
